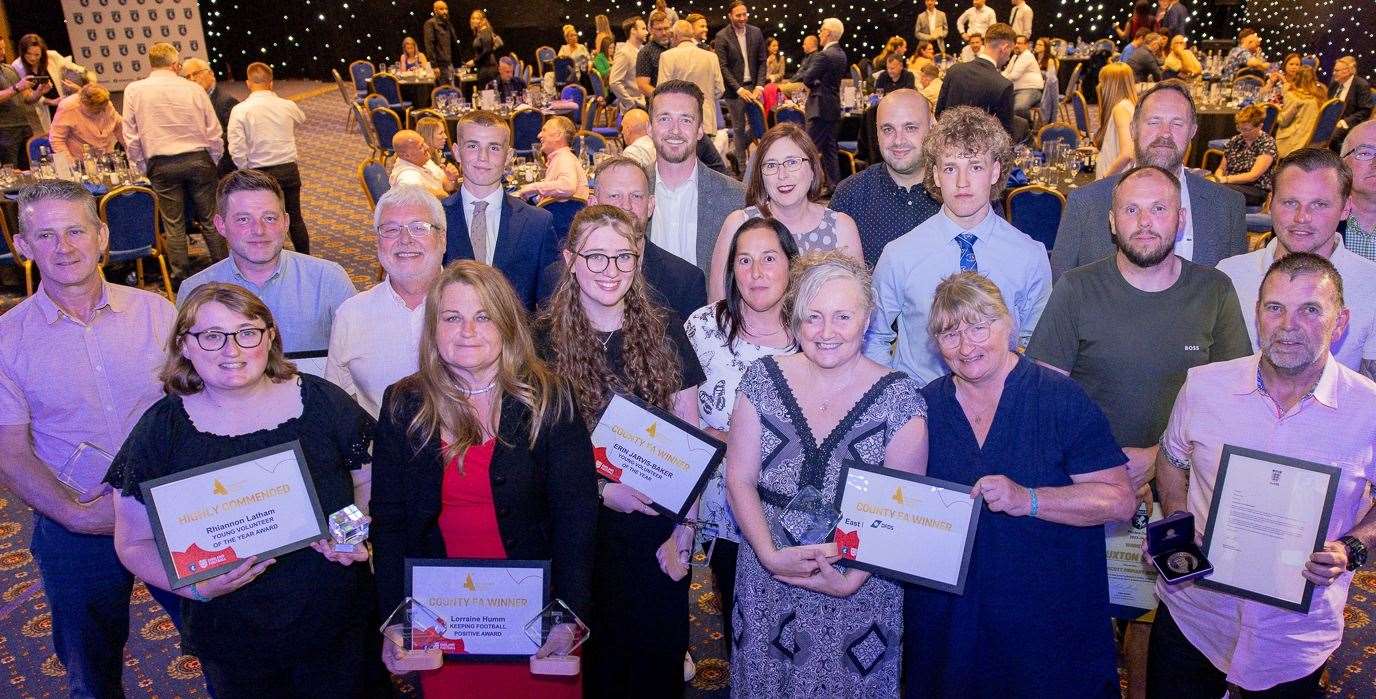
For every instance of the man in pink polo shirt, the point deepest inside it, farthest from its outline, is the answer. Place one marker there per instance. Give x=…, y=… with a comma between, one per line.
x=1292, y=398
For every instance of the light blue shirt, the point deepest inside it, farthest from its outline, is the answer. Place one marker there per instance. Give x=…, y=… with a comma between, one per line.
x=912, y=265
x=303, y=295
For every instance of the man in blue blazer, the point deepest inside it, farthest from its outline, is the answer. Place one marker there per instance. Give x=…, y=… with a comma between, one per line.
x=822, y=76
x=1162, y=128
x=485, y=223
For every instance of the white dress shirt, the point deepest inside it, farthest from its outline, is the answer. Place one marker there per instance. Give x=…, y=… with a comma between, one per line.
x=1184, y=243
x=1342, y=90
x=641, y=150
x=976, y=20
x=1021, y=19
x=375, y=342
x=166, y=114
x=262, y=130
x=1022, y=70
x=674, y=225
x=493, y=214
x=429, y=175
x=745, y=54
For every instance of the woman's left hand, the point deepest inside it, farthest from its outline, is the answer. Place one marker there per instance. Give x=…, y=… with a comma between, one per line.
x=673, y=554
x=828, y=581
x=326, y=549
x=1002, y=494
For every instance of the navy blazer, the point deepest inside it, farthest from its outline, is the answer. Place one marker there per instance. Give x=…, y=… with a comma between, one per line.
x=674, y=283
x=978, y=83
x=733, y=64
x=525, y=244
x=1358, y=105
x=823, y=75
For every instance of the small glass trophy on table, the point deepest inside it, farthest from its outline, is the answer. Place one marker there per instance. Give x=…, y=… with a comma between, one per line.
x=807, y=521
x=349, y=529
x=558, y=632
x=415, y=634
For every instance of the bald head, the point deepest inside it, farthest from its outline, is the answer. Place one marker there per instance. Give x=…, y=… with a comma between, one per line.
x=902, y=122
x=634, y=124
x=683, y=31
x=410, y=146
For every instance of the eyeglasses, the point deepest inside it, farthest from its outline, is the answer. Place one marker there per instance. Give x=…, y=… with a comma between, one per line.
x=1363, y=153
x=214, y=340
x=417, y=229
x=597, y=262
x=770, y=167
x=974, y=333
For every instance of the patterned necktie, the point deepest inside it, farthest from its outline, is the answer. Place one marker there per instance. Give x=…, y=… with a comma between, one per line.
x=477, y=232
x=967, y=252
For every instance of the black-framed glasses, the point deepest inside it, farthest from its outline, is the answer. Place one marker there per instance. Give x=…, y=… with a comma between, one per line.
x=770, y=167
x=214, y=340
x=1363, y=153
x=597, y=262
x=417, y=229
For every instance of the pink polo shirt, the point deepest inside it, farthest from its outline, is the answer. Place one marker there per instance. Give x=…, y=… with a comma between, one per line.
x=72, y=128
x=1260, y=646
x=73, y=382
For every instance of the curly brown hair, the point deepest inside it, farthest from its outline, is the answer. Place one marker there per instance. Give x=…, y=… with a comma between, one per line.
x=651, y=367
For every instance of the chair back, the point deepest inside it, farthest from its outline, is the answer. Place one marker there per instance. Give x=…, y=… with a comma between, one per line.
x=10, y=255
x=1326, y=124
x=444, y=91
x=386, y=124
x=131, y=213
x=1057, y=131
x=525, y=130
x=366, y=126
x=36, y=146
x=1213, y=157
x=575, y=93
x=1079, y=111
x=563, y=71
x=1268, y=122
x=375, y=101
x=349, y=94
x=866, y=67
x=360, y=71
x=544, y=57
x=372, y=176
x=856, y=75
x=1072, y=84
x=592, y=112
x=593, y=141
x=1051, y=96
x=789, y=114
x=1036, y=211
x=1248, y=82
x=563, y=211
x=598, y=88
x=754, y=119
x=385, y=84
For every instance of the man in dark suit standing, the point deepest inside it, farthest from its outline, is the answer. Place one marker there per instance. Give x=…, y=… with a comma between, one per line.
x=1355, y=92
x=823, y=76
x=439, y=37
x=198, y=71
x=741, y=52
x=487, y=225
x=979, y=83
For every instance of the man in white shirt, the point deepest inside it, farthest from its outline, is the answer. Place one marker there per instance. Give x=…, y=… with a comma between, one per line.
x=621, y=79
x=375, y=340
x=1020, y=18
x=414, y=166
x=171, y=135
x=635, y=133
x=931, y=26
x=973, y=48
x=1027, y=78
x=686, y=61
x=975, y=20
x=262, y=136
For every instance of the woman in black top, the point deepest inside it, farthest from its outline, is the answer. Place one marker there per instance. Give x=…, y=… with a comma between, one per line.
x=601, y=332
x=486, y=44
x=300, y=623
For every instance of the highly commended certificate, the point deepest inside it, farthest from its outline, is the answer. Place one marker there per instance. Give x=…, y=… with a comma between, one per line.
x=1131, y=584
x=208, y=519
x=656, y=453
x=484, y=605
x=1268, y=514
x=907, y=527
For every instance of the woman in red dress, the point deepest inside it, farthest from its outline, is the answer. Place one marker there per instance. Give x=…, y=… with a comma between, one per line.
x=480, y=454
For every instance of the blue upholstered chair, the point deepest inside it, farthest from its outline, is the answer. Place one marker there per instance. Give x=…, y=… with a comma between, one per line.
x=1036, y=211
x=131, y=213
x=372, y=176
x=563, y=211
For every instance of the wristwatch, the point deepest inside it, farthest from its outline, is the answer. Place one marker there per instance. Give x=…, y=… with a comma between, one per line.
x=1356, y=552
x=602, y=485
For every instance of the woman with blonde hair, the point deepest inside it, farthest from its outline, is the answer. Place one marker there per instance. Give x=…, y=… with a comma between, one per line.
x=572, y=49
x=1300, y=112
x=1180, y=60
x=412, y=59
x=601, y=331
x=603, y=27
x=1117, y=104
x=480, y=454
x=297, y=622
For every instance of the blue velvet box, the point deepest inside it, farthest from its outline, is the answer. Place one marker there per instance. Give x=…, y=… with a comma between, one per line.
x=1171, y=545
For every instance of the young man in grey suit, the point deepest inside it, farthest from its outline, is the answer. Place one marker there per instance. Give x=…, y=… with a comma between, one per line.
x=1162, y=128
x=691, y=200
x=931, y=26
x=741, y=51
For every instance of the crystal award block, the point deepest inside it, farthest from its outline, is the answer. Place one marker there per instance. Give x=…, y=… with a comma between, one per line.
x=558, y=632
x=348, y=528
x=415, y=637
x=807, y=520
x=85, y=469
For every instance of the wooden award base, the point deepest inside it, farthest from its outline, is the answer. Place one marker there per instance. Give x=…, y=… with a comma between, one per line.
x=828, y=549
x=561, y=665
x=417, y=660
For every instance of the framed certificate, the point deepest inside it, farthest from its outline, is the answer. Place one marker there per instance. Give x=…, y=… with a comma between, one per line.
x=208, y=519
x=1269, y=513
x=309, y=362
x=653, y=451
x=906, y=527
x=484, y=604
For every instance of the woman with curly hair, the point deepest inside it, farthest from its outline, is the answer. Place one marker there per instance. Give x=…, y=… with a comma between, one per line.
x=600, y=331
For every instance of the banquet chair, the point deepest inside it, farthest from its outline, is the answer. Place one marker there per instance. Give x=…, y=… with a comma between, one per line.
x=593, y=141
x=544, y=59
x=1072, y=83
x=132, y=216
x=857, y=77
x=789, y=114
x=360, y=71
x=366, y=129
x=386, y=124
x=848, y=134
x=574, y=92
x=1045, y=113
x=386, y=84
x=444, y=91
x=1268, y=122
x=1326, y=124
x=372, y=176
x=1079, y=111
x=1057, y=131
x=525, y=130
x=598, y=89
x=563, y=72
x=754, y=119
x=36, y=146
x=350, y=97
x=11, y=257
x=1035, y=210
x=563, y=211
x=1213, y=157
x=590, y=113
x=375, y=101
x=606, y=119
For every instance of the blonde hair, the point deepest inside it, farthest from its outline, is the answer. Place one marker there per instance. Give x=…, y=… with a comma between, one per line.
x=811, y=272
x=179, y=375
x=1116, y=83
x=1307, y=85
x=964, y=297
x=162, y=55
x=94, y=96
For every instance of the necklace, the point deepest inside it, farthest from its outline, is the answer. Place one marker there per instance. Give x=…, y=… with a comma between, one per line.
x=479, y=391
x=607, y=340
x=826, y=402
x=752, y=333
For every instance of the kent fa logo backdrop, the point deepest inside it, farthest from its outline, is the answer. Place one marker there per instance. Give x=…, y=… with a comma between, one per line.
x=112, y=37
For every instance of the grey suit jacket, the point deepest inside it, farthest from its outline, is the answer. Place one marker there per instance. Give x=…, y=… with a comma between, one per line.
x=938, y=35
x=700, y=67
x=718, y=196
x=1217, y=212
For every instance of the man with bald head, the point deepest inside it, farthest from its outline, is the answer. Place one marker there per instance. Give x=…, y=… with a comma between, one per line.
x=1359, y=153
x=440, y=37
x=687, y=61
x=415, y=166
x=635, y=133
x=888, y=198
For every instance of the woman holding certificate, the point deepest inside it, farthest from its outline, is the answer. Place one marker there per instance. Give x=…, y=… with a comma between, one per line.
x=297, y=622
x=728, y=336
x=480, y=454
x=601, y=331
x=805, y=627
x=1033, y=619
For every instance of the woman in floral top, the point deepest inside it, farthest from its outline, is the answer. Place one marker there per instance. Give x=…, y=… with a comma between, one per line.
x=728, y=336
x=1248, y=156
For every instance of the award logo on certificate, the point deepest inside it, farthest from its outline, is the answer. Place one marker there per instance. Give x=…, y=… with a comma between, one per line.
x=907, y=527
x=484, y=605
x=1268, y=514
x=206, y=520
x=656, y=453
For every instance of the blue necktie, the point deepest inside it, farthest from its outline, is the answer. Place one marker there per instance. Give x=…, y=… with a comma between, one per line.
x=967, y=252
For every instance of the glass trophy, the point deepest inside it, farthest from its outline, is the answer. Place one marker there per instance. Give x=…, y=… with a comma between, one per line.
x=807, y=520
x=416, y=635
x=558, y=632
x=85, y=469
x=705, y=536
x=348, y=528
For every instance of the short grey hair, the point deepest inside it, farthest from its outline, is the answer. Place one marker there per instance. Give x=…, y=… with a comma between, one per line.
x=834, y=26
x=617, y=161
x=411, y=194
x=812, y=271
x=54, y=190
x=163, y=55
x=192, y=65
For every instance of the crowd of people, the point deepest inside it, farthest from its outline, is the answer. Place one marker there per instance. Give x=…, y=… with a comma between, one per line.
x=892, y=318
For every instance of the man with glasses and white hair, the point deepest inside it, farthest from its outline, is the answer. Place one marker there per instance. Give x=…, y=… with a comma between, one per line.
x=1359, y=153
x=823, y=76
x=198, y=71
x=1354, y=91
x=376, y=334
x=79, y=361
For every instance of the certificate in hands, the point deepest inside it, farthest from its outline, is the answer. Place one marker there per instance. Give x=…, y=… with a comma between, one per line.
x=206, y=520
x=655, y=452
x=484, y=605
x=1268, y=514
x=907, y=527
